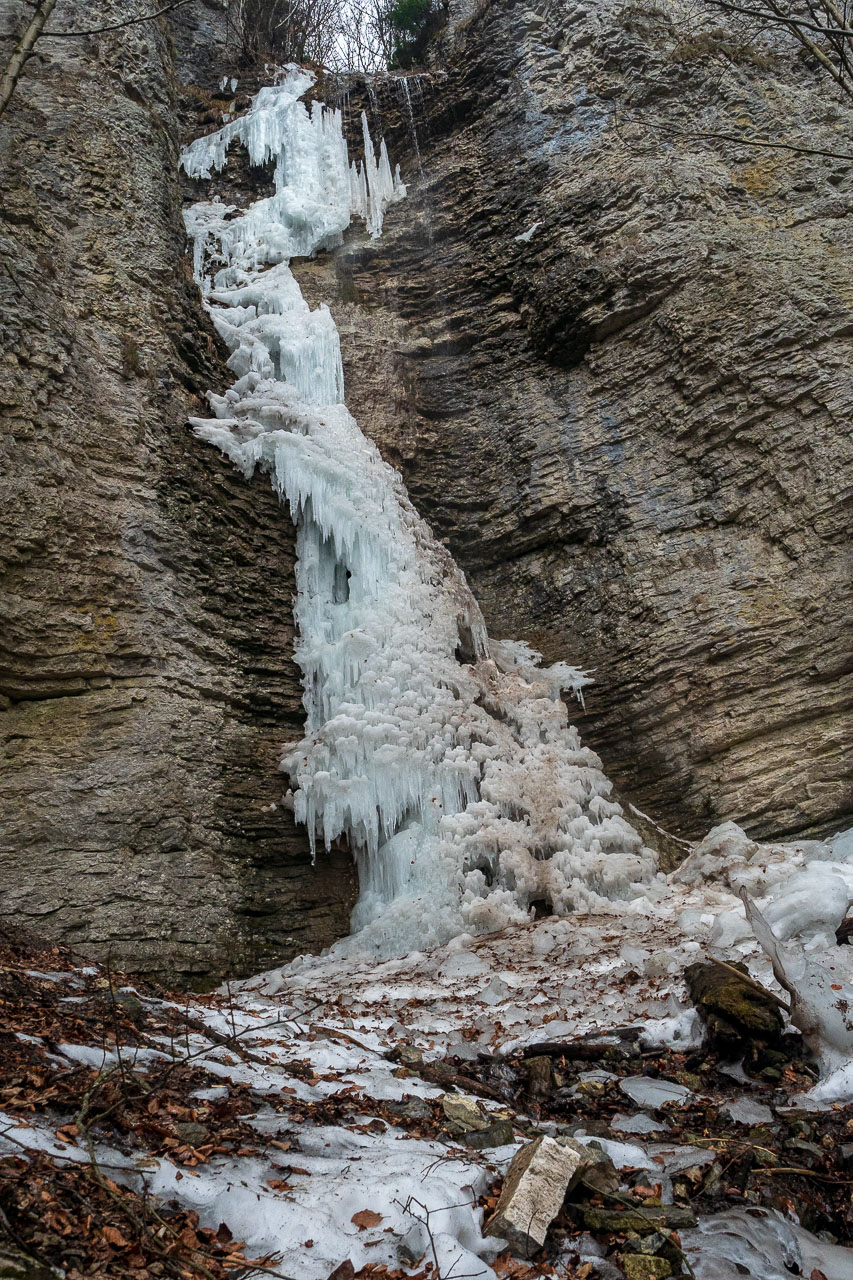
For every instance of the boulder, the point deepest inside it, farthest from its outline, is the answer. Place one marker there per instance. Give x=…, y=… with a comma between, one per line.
x=735, y=1010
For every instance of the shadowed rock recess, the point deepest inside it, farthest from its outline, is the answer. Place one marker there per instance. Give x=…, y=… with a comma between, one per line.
x=631, y=425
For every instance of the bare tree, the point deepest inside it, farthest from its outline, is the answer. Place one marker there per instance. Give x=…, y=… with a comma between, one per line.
x=366, y=36
x=304, y=31
x=824, y=28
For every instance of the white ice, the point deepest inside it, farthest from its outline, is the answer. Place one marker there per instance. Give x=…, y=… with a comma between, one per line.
x=763, y=1245
x=444, y=759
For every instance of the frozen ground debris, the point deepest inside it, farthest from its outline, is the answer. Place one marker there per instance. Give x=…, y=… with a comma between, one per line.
x=300, y=1135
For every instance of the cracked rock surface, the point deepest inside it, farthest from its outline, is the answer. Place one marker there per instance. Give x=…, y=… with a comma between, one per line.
x=145, y=665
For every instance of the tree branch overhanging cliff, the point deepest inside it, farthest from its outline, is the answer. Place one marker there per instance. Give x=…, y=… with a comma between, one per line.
x=34, y=31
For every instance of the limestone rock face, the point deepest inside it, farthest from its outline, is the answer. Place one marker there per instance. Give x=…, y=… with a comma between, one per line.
x=613, y=361
x=146, y=673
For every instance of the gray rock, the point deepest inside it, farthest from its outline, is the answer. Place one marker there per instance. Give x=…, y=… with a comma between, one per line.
x=146, y=679
x=192, y=1133
x=463, y=1114
x=410, y=1107
x=499, y=1134
x=533, y=1191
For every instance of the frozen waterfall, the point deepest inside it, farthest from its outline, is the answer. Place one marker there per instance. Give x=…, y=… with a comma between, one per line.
x=445, y=759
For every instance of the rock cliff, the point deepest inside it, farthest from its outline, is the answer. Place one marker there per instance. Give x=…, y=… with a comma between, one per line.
x=611, y=358
x=610, y=350
x=146, y=666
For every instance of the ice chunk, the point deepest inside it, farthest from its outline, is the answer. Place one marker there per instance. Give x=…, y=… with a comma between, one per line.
x=647, y=1092
x=842, y=845
x=763, y=1245
x=639, y=1123
x=747, y=1111
x=821, y=994
x=527, y=235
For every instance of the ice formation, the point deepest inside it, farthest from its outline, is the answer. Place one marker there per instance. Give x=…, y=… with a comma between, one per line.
x=446, y=760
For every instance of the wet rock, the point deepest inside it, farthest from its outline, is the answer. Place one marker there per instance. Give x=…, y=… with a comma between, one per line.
x=533, y=1192
x=734, y=1009
x=192, y=1133
x=650, y=1218
x=499, y=1134
x=844, y=932
x=540, y=1080
x=131, y=1004
x=654, y=1243
x=16, y=1265
x=600, y=1175
x=410, y=1107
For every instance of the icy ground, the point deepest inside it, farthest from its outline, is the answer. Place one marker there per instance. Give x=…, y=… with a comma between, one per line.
x=355, y=1034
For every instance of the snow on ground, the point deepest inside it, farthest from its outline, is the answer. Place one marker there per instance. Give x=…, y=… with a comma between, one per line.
x=355, y=1031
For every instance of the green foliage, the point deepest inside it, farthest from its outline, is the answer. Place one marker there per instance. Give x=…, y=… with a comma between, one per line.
x=411, y=23
x=409, y=16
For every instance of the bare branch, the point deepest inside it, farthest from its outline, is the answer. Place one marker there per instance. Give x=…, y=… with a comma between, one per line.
x=846, y=32
x=23, y=51
x=114, y=26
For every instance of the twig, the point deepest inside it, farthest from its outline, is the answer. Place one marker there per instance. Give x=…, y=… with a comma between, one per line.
x=114, y=26
x=792, y=19
x=675, y=132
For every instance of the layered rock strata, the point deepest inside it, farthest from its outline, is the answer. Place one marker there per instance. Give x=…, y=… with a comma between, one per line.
x=146, y=672
x=609, y=345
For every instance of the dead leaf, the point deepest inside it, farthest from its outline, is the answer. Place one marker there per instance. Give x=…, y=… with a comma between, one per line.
x=113, y=1236
x=366, y=1218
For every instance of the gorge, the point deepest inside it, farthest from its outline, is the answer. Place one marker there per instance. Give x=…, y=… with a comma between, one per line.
x=609, y=361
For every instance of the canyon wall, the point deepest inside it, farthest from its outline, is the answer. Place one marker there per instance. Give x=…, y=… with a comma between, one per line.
x=145, y=650
x=611, y=358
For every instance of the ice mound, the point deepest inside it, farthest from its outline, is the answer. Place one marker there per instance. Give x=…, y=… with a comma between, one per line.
x=793, y=897
x=446, y=760
x=761, y=1244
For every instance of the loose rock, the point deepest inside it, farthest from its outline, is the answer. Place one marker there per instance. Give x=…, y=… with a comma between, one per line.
x=463, y=1114
x=536, y=1184
x=733, y=1009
